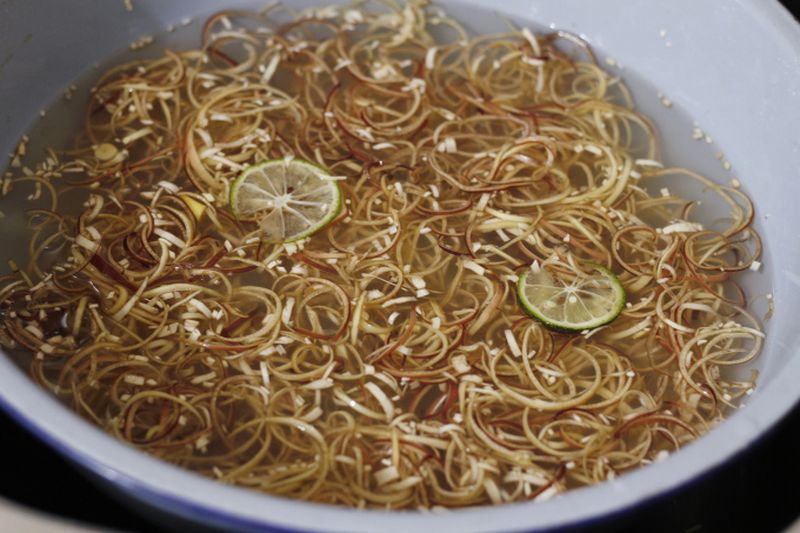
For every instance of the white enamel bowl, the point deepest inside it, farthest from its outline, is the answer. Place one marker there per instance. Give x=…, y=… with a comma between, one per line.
x=734, y=67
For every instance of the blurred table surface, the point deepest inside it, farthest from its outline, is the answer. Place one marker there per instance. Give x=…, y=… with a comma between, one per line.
x=758, y=492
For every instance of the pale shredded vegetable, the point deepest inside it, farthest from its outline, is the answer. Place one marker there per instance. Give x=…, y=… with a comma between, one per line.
x=382, y=362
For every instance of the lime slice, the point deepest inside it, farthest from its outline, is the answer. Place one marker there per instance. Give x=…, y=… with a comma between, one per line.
x=289, y=198
x=571, y=301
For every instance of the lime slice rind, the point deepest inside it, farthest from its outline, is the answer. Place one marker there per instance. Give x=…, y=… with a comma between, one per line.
x=290, y=199
x=583, y=303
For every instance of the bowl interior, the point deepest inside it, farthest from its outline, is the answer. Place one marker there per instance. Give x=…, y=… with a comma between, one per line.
x=683, y=63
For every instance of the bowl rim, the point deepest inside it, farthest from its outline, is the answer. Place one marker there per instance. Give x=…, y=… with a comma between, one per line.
x=178, y=491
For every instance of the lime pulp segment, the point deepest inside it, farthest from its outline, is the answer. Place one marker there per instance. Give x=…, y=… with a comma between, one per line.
x=571, y=303
x=289, y=198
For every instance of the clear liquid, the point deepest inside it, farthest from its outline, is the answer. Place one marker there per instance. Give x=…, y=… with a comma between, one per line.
x=676, y=130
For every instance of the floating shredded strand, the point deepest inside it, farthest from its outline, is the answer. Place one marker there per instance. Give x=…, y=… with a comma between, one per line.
x=382, y=362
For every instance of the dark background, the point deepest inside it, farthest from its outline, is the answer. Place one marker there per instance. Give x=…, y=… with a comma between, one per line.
x=757, y=492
